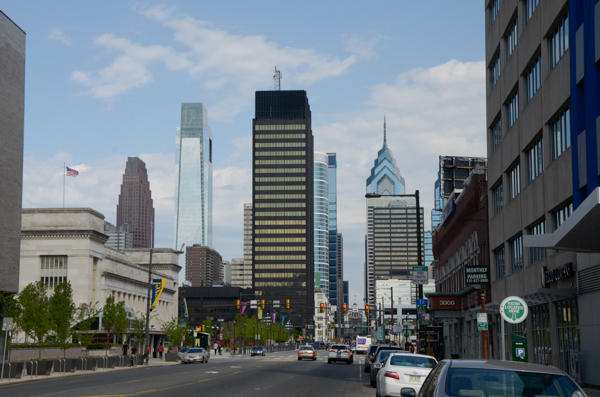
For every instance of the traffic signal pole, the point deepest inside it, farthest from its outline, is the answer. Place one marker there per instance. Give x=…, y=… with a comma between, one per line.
x=420, y=259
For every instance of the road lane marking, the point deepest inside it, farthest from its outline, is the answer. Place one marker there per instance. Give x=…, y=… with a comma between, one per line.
x=212, y=372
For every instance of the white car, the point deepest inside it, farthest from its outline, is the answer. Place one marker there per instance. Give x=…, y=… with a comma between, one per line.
x=339, y=353
x=194, y=355
x=403, y=370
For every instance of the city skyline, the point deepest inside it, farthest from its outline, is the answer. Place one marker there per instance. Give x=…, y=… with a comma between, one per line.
x=356, y=79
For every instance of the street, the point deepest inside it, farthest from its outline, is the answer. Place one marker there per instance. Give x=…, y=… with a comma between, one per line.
x=275, y=374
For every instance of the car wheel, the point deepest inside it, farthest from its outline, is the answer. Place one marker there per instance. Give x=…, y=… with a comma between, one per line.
x=328, y=361
x=348, y=362
x=373, y=384
x=367, y=369
x=314, y=359
x=299, y=359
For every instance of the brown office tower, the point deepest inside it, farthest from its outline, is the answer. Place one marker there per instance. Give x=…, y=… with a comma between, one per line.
x=135, y=207
x=202, y=265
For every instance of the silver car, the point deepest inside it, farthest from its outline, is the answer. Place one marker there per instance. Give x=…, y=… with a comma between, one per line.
x=478, y=378
x=339, y=353
x=195, y=355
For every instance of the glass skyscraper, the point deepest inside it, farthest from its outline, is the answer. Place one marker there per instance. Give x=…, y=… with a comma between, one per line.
x=321, y=173
x=193, y=179
x=334, y=276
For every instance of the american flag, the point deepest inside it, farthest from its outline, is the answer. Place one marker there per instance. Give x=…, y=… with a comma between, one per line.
x=72, y=172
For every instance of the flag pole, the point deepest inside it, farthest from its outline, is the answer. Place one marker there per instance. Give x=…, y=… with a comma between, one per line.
x=64, y=180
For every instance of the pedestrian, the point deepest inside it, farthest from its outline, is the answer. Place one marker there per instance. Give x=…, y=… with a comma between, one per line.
x=133, y=350
x=160, y=350
x=220, y=351
x=125, y=348
x=216, y=346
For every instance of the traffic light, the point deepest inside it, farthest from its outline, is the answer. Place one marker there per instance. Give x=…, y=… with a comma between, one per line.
x=320, y=324
x=322, y=308
x=305, y=326
x=345, y=308
x=262, y=304
x=287, y=303
x=237, y=304
x=203, y=328
x=367, y=309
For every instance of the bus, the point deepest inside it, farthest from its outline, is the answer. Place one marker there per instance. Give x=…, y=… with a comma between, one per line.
x=362, y=344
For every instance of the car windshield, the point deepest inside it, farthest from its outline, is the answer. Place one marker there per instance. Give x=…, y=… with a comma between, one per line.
x=194, y=351
x=361, y=341
x=409, y=360
x=339, y=347
x=306, y=348
x=498, y=383
x=383, y=354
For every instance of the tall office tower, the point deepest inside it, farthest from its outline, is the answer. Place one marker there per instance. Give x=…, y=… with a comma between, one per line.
x=340, y=269
x=193, y=179
x=529, y=98
x=385, y=179
x=119, y=237
x=282, y=198
x=241, y=273
x=321, y=208
x=334, y=288
x=12, y=113
x=135, y=209
x=248, y=240
x=202, y=265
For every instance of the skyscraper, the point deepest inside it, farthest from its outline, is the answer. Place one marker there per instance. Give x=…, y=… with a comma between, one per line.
x=135, y=209
x=385, y=179
x=202, y=265
x=321, y=223
x=334, y=280
x=282, y=188
x=193, y=179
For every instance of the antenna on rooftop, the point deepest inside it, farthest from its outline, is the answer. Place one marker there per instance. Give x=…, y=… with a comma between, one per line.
x=277, y=79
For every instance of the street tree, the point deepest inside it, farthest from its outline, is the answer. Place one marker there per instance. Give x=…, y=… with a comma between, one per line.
x=114, y=318
x=62, y=315
x=87, y=314
x=175, y=331
x=12, y=309
x=35, y=313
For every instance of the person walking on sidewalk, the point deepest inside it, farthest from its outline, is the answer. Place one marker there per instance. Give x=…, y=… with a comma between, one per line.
x=161, y=349
x=216, y=346
x=133, y=350
x=125, y=348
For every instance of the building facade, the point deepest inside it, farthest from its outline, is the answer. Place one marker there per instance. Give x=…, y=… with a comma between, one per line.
x=241, y=273
x=335, y=290
x=119, y=237
x=247, y=248
x=193, y=179
x=202, y=265
x=217, y=304
x=530, y=162
x=321, y=223
x=282, y=201
x=135, y=208
x=12, y=113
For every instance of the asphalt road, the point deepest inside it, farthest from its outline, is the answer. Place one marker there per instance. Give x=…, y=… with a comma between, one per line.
x=276, y=374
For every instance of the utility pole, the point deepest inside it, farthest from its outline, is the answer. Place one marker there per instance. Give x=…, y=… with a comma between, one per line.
x=484, y=333
x=392, y=299
x=420, y=259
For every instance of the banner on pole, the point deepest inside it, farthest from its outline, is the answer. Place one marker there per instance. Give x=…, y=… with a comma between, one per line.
x=158, y=285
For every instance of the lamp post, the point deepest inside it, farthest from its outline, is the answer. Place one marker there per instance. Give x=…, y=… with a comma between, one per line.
x=419, y=253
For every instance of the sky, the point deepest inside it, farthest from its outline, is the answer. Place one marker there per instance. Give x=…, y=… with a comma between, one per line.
x=105, y=80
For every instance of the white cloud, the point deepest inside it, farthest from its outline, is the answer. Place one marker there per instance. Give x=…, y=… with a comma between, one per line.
x=230, y=65
x=59, y=35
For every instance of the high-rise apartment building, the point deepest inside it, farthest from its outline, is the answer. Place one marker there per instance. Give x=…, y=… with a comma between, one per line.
x=385, y=179
x=202, y=265
x=119, y=237
x=248, y=237
x=321, y=208
x=12, y=113
x=282, y=198
x=135, y=209
x=529, y=102
x=193, y=179
x=241, y=273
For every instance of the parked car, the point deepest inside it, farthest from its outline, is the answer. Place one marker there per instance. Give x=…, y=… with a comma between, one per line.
x=257, y=351
x=403, y=371
x=369, y=357
x=307, y=352
x=495, y=378
x=378, y=361
x=195, y=354
x=340, y=353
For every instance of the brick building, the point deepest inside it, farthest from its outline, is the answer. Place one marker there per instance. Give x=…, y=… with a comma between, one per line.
x=202, y=265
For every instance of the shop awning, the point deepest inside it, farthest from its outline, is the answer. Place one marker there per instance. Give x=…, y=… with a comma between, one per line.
x=539, y=297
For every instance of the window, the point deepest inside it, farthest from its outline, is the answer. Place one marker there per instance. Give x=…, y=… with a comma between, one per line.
x=280, y=187
x=279, y=136
x=280, y=127
x=499, y=261
x=530, y=6
x=271, y=162
x=560, y=130
x=510, y=40
x=494, y=8
x=279, y=144
x=497, y=199
x=280, y=179
x=280, y=213
x=512, y=109
x=53, y=271
x=281, y=153
x=537, y=254
x=535, y=160
x=561, y=215
x=279, y=196
x=514, y=181
x=496, y=131
x=540, y=319
x=533, y=78
x=495, y=70
x=279, y=170
x=516, y=254
x=558, y=42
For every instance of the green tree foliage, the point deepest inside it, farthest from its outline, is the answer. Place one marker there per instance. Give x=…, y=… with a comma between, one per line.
x=11, y=309
x=62, y=314
x=114, y=318
x=35, y=314
x=175, y=331
x=86, y=316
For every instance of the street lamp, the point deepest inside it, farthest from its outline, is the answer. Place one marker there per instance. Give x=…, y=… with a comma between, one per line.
x=419, y=253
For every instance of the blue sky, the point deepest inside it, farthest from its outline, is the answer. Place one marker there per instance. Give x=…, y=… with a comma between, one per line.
x=105, y=80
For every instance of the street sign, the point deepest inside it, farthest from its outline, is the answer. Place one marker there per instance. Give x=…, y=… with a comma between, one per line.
x=482, y=322
x=477, y=275
x=420, y=275
x=7, y=324
x=253, y=304
x=421, y=302
x=406, y=334
x=276, y=304
x=514, y=309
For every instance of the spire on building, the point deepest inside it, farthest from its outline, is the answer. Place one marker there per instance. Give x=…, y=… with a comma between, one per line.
x=384, y=134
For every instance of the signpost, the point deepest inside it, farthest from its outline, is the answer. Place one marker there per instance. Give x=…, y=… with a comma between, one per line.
x=6, y=327
x=422, y=311
x=482, y=322
x=420, y=275
x=513, y=310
